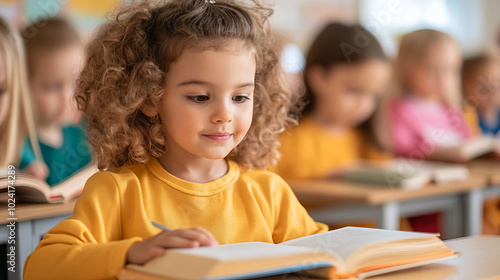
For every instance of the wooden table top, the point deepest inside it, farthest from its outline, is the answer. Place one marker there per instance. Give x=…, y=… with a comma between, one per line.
x=340, y=192
x=488, y=167
x=29, y=211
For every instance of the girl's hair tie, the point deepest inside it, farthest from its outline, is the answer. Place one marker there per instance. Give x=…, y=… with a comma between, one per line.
x=210, y=1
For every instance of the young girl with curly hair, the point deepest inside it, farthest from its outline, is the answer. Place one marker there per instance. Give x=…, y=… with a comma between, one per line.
x=184, y=102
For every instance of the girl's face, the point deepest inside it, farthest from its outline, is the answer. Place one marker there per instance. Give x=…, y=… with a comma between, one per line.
x=52, y=85
x=4, y=95
x=483, y=87
x=207, y=106
x=436, y=75
x=347, y=94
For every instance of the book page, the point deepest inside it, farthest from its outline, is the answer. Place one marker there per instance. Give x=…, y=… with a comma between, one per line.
x=28, y=188
x=441, y=172
x=464, y=152
x=247, y=250
x=75, y=183
x=345, y=241
x=478, y=146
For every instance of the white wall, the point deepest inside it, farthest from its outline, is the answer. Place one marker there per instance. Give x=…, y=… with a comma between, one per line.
x=475, y=24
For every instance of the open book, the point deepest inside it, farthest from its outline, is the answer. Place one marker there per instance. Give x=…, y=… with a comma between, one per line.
x=406, y=174
x=470, y=149
x=348, y=252
x=32, y=189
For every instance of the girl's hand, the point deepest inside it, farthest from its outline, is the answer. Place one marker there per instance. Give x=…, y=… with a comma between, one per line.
x=37, y=169
x=143, y=251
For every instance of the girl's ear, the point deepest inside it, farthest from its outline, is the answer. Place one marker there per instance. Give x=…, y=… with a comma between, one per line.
x=316, y=78
x=149, y=110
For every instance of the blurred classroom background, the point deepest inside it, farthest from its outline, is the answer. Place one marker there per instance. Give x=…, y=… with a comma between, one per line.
x=474, y=24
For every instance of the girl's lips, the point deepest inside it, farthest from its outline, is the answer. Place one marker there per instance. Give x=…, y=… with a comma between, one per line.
x=218, y=137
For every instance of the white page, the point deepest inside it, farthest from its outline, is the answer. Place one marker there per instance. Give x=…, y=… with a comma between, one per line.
x=243, y=251
x=345, y=241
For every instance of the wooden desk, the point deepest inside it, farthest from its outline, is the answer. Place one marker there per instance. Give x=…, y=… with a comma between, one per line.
x=32, y=211
x=33, y=221
x=475, y=199
x=487, y=167
x=346, y=202
x=479, y=260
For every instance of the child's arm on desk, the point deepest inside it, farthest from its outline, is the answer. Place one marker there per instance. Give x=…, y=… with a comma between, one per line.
x=88, y=244
x=91, y=245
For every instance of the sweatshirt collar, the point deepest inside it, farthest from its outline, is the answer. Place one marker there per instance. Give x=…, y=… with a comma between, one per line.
x=196, y=189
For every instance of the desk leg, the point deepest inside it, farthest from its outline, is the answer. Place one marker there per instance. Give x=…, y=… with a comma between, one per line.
x=452, y=223
x=389, y=216
x=474, y=212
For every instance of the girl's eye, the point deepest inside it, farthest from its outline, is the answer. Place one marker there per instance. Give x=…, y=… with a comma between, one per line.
x=354, y=91
x=198, y=98
x=53, y=87
x=240, y=98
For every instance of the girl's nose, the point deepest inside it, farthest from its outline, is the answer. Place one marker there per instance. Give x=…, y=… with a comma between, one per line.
x=222, y=114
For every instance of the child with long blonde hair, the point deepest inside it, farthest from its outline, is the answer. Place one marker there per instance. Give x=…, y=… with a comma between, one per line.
x=184, y=102
x=16, y=117
x=427, y=114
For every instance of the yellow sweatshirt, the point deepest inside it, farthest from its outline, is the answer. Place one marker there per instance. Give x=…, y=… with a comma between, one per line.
x=472, y=120
x=116, y=210
x=309, y=151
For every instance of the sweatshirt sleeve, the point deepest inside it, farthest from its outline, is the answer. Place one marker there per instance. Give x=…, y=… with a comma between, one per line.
x=291, y=218
x=89, y=244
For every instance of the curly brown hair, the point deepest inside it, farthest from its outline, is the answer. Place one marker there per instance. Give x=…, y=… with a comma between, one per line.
x=130, y=55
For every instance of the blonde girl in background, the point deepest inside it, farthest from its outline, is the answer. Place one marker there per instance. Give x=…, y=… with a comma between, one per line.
x=426, y=114
x=16, y=117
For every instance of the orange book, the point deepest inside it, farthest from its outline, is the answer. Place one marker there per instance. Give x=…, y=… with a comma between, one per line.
x=346, y=253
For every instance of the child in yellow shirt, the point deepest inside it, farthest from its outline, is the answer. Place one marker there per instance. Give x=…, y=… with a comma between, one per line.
x=346, y=73
x=184, y=101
